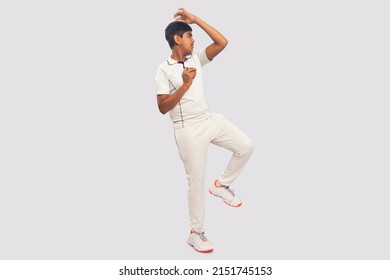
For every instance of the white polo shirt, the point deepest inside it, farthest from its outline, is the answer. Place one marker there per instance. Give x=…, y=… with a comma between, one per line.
x=169, y=79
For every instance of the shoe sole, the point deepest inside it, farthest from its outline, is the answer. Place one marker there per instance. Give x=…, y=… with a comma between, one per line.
x=236, y=206
x=205, y=251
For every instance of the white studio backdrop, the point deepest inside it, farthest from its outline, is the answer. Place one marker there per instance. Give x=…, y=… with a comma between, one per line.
x=89, y=167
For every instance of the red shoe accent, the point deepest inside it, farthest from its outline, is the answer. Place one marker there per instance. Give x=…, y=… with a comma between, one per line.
x=205, y=251
x=215, y=184
x=233, y=205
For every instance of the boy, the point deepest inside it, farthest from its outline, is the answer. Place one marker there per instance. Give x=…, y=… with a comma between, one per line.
x=179, y=86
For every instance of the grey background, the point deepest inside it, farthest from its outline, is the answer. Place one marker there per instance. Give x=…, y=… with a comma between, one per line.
x=89, y=167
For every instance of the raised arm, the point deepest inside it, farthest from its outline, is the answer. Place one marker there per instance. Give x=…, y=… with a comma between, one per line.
x=219, y=41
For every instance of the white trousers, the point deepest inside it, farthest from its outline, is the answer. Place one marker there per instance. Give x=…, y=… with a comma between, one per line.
x=193, y=139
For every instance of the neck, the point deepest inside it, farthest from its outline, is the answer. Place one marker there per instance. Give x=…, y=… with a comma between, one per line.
x=178, y=55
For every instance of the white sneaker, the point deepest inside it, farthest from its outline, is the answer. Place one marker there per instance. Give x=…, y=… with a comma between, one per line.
x=226, y=194
x=200, y=242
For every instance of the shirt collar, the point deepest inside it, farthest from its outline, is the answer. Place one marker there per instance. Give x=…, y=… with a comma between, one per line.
x=171, y=61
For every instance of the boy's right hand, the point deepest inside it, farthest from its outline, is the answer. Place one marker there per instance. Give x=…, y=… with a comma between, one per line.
x=185, y=16
x=189, y=73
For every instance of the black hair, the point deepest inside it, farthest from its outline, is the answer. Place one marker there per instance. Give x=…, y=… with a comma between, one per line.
x=175, y=28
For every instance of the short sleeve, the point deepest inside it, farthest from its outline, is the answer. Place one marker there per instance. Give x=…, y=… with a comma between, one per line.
x=202, y=57
x=161, y=80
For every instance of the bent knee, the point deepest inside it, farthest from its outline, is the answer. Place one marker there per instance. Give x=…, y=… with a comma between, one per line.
x=246, y=148
x=249, y=146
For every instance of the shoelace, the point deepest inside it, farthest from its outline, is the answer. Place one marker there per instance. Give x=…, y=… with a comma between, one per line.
x=202, y=236
x=230, y=190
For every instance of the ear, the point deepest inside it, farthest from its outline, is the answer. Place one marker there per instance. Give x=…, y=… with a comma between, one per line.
x=177, y=39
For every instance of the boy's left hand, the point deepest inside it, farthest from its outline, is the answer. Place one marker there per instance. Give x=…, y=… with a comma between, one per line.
x=183, y=15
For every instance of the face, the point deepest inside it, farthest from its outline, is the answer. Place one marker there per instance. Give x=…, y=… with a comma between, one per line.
x=187, y=42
